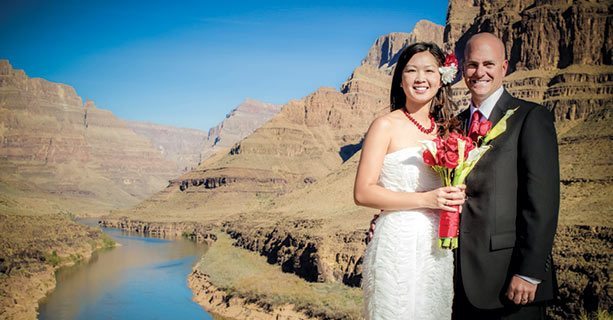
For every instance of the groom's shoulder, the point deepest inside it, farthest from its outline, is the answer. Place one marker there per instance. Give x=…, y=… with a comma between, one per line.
x=521, y=102
x=530, y=108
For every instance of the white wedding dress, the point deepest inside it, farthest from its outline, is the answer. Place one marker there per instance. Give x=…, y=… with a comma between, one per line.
x=405, y=275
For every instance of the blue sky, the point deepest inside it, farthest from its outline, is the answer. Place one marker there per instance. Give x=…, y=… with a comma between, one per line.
x=188, y=63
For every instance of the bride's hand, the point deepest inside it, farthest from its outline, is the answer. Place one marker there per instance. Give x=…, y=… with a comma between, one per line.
x=446, y=197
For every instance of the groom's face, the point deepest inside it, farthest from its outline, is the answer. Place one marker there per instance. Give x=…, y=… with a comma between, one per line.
x=484, y=66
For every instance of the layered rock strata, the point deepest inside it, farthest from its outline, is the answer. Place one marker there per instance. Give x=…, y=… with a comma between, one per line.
x=221, y=303
x=54, y=144
x=240, y=122
x=181, y=146
x=559, y=52
x=169, y=230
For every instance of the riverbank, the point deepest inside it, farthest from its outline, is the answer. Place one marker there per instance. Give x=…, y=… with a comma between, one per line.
x=240, y=284
x=241, y=277
x=234, y=283
x=225, y=305
x=197, y=232
x=32, y=248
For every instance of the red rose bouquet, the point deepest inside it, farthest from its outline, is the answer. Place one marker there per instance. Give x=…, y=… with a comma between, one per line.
x=453, y=157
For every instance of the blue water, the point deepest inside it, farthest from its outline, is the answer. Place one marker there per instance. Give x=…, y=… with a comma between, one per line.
x=144, y=278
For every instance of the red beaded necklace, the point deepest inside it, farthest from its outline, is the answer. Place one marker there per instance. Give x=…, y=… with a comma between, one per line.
x=418, y=125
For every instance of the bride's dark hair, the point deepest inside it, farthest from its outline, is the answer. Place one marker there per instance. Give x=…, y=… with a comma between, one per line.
x=442, y=108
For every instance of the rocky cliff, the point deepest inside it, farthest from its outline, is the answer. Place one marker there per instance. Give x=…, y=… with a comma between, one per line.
x=239, y=123
x=307, y=140
x=188, y=148
x=559, y=52
x=386, y=49
x=181, y=146
x=81, y=157
x=369, y=82
x=55, y=145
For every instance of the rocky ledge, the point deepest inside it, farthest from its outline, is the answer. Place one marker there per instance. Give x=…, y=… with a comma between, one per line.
x=230, y=306
x=171, y=230
x=293, y=246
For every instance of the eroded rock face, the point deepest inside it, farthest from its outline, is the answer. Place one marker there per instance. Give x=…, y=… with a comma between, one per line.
x=239, y=123
x=191, y=230
x=53, y=143
x=369, y=83
x=222, y=303
x=559, y=52
x=181, y=146
x=287, y=244
x=384, y=52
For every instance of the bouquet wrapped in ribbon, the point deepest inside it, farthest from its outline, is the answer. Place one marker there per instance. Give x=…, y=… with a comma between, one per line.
x=453, y=157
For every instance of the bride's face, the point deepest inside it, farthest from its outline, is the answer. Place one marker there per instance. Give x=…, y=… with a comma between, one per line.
x=421, y=78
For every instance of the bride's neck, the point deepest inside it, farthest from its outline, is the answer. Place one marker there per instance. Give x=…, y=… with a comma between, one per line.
x=419, y=111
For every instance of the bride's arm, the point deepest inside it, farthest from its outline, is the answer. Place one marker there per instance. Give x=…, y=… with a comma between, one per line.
x=368, y=193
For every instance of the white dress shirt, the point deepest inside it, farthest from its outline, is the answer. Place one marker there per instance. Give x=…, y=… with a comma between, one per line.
x=488, y=104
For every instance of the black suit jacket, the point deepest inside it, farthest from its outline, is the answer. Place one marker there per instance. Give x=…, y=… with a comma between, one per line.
x=509, y=219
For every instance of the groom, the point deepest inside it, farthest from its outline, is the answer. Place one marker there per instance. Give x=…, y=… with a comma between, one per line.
x=504, y=268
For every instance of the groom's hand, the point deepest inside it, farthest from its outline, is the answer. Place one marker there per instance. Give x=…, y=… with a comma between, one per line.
x=521, y=291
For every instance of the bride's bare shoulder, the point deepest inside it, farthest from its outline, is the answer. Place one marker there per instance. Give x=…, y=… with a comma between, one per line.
x=385, y=122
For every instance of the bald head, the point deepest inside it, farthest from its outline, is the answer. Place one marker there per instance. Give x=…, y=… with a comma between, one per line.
x=484, y=66
x=485, y=39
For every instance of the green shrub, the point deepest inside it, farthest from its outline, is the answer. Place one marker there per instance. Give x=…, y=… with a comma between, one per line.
x=53, y=259
x=107, y=241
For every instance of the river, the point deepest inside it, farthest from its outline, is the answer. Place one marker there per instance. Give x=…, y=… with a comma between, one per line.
x=142, y=278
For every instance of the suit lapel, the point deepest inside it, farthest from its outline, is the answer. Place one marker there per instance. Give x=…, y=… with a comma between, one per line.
x=464, y=118
x=503, y=103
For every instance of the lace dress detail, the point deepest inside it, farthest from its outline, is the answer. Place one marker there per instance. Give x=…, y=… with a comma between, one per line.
x=405, y=274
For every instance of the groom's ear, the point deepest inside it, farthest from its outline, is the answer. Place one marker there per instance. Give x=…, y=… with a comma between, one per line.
x=505, y=66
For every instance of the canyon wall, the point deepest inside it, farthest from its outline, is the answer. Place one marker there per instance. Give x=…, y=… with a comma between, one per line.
x=54, y=144
x=559, y=51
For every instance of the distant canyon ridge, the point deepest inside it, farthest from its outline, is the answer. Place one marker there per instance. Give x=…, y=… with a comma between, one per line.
x=80, y=157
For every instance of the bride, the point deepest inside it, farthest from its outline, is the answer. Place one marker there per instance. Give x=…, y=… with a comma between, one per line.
x=405, y=274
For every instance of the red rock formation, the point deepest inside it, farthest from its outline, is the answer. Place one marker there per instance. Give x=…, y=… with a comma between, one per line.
x=239, y=123
x=52, y=143
x=181, y=146
x=559, y=51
